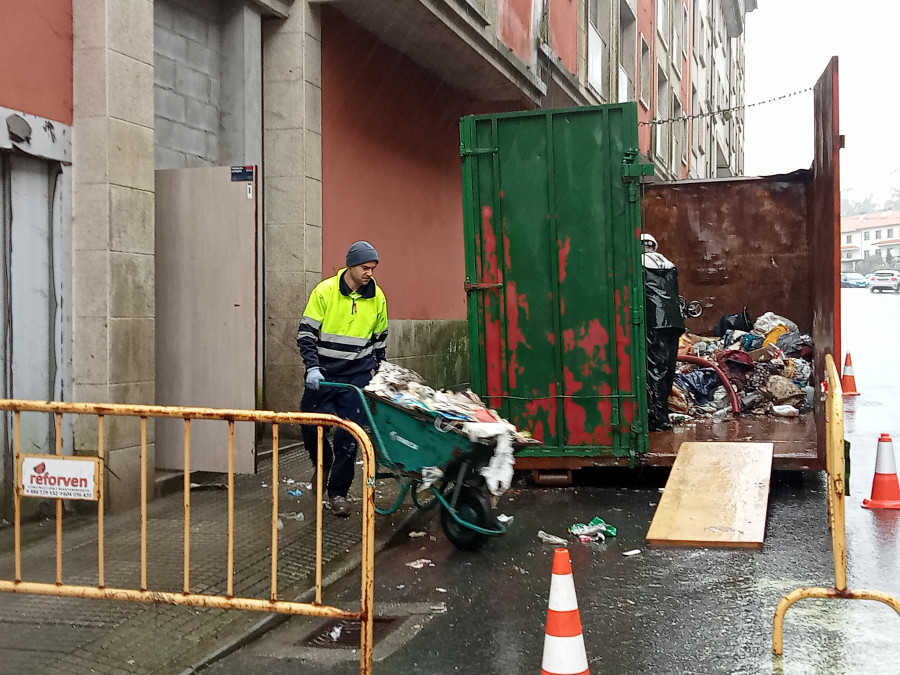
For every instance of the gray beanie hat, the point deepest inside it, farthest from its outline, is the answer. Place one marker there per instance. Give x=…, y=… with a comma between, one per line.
x=360, y=253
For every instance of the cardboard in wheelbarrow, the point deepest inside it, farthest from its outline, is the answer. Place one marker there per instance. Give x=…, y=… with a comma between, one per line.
x=717, y=496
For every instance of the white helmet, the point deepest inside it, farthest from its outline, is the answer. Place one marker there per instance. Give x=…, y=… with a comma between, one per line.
x=648, y=241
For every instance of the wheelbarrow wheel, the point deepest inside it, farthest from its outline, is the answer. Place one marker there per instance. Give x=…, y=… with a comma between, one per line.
x=472, y=506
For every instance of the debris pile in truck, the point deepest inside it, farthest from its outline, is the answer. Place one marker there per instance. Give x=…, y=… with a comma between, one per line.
x=768, y=367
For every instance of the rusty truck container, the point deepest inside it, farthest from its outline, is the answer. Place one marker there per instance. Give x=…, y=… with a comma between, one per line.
x=554, y=203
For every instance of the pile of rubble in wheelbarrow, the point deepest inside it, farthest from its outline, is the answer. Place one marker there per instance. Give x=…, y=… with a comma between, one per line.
x=460, y=412
x=768, y=369
x=407, y=388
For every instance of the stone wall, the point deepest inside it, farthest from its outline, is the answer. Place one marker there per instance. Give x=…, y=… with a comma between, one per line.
x=113, y=226
x=187, y=83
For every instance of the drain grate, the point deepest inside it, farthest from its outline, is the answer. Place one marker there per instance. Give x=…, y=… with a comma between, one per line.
x=345, y=634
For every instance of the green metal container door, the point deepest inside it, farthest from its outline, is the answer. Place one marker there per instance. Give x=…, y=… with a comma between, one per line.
x=553, y=274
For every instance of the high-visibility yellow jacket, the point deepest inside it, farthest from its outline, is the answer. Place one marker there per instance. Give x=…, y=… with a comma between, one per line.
x=343, y=332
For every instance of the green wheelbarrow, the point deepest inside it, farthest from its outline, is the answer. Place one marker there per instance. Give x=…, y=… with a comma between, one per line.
x=410, y=444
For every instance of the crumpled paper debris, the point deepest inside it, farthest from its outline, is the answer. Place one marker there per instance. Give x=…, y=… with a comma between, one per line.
x=420, y=563
x=551, y=538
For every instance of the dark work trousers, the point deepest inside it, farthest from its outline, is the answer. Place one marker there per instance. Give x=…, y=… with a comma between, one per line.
x=339, y=456
x=662, y=354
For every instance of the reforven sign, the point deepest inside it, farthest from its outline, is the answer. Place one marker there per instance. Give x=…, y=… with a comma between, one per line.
x=55, y=477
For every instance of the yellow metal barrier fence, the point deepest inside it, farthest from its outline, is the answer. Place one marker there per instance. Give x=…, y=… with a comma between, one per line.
x=834, y=464
x=227, y=601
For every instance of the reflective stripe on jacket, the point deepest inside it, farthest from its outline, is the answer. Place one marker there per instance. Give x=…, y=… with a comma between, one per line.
x=343, y=332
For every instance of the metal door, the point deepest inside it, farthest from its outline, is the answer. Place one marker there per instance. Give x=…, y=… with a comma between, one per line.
x=206, y=340
x=555, y=294
x=35, y=338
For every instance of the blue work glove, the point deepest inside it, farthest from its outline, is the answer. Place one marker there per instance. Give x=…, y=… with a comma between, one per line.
x=313, y=377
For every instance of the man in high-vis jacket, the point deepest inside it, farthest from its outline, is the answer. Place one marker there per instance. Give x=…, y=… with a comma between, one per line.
x=342, y=338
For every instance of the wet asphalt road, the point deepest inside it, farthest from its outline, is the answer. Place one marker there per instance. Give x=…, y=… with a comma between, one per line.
x=664, y=610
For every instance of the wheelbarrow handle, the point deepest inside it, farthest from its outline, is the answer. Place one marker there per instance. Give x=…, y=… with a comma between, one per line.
x=365, y=406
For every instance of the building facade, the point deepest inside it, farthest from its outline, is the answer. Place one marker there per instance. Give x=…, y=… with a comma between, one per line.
x=870, y=241
x=683, y=62
x=344, y=116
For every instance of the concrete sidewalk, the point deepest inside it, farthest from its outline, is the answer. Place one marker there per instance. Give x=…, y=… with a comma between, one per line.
x=41, y=634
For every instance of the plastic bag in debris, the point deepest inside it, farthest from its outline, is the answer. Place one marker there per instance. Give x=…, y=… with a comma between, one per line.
x=739, y=321
x=596, y=524
x=749, y=342
x=765, y=323
x=785, y=411
x=498, y=474
x=802, y=371
x=430, y=475
x=795, y=345
x=700, y=383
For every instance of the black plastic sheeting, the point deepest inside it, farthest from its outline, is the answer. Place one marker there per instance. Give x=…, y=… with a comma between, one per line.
x=700, y=383
x=661, y=298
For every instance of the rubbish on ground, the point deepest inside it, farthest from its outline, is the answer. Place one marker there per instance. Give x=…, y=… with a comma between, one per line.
x=265, y=485
x=503, y=518
x=335, y=633
x=597, y=525
x=440, y=608
x=440, y=590
x=280, y=524
x=595, y=536
x=551, y=538
x=420, y=563
x=289, y=481
x=416, y=535
x=399, y=586
x=299, y=517
x=294, y=493
x=634, y=551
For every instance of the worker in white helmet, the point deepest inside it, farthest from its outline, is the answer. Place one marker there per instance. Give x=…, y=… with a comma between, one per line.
x=665, y=324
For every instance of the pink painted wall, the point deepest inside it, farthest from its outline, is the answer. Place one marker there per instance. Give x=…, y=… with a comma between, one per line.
x=36, y=53
x=514, y=19
x=391, y=171
x=646, y=26
x=564, y=32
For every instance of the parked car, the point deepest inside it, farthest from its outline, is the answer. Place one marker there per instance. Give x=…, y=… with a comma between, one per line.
x=884, y=280
x=853, y=280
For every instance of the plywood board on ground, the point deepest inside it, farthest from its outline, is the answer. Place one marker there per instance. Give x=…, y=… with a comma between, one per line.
x=717, y=495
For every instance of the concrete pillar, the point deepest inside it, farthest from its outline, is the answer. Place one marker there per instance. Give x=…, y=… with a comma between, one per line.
x=292, y=120
x=240, y=131
x=113, y=227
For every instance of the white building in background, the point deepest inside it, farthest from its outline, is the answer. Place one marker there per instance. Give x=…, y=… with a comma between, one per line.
x=870, y=235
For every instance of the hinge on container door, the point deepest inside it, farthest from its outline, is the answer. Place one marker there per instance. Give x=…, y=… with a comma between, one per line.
x=632, y=170
x=468, y=152
x=480, y=287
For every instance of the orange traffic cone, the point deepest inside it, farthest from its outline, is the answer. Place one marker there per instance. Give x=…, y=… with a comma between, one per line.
x=885, y=486
x=848, y=382
x=563, y=641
